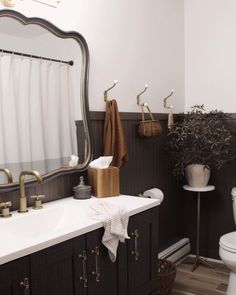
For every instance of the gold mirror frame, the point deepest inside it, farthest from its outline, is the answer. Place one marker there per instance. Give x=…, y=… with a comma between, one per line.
x=84, y=92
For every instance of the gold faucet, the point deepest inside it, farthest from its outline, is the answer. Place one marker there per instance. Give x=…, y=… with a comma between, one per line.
x=8, y=174
x=23, y=200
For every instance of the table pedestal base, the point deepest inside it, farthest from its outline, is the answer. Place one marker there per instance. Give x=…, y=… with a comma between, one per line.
x=200, y=261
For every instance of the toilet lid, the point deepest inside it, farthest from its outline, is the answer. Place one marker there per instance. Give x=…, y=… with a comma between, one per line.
x=228, y=242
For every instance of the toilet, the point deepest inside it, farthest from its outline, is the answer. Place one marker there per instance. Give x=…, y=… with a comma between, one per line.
x=227, y=251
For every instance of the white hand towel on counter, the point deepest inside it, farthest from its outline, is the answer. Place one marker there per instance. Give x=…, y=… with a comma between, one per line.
x=115, y=221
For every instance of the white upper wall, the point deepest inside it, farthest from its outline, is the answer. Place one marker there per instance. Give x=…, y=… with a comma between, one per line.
x=137, y=42
x=210, y=54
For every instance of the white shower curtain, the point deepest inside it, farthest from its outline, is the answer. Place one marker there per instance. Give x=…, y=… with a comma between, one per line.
x=37, y=125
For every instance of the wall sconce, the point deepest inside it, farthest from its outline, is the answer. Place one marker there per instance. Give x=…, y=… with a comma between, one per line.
x=51, y=3
x=7, y=3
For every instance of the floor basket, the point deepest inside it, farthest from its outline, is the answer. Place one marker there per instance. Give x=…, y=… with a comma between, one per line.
x=166, y=276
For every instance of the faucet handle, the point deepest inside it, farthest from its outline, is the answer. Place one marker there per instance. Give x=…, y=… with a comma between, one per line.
x=5, y=209
x=37, y=201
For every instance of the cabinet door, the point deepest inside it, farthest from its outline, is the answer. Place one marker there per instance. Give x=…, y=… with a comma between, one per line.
x=53, y=269
x=104, y=276
x=143, y=253
x=14, y=277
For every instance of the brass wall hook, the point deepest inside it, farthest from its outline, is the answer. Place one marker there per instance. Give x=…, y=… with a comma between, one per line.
x=166, y=98
x=107, y=90
x=144, y=104
x=170, y=108
x=138, y=97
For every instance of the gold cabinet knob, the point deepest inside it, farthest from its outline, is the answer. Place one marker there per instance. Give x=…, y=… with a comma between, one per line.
x=5, y=209
x=25, y=284
x=38, y=201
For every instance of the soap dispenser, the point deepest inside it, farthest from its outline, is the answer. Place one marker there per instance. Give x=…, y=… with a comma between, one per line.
x=82, y=191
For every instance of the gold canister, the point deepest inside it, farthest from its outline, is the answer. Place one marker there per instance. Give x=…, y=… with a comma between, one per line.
x=104, y=182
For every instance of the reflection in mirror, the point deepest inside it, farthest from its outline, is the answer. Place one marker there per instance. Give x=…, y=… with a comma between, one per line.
x=8, y=174
x=40, y=99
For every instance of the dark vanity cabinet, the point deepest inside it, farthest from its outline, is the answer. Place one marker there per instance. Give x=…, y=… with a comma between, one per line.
x=81, y=266
x=15, y=277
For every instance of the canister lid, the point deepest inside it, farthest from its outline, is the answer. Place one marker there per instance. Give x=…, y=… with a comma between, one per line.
x=81, y=186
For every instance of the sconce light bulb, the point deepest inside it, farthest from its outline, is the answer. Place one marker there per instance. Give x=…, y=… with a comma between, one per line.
x=146, y=85
x=116, y=81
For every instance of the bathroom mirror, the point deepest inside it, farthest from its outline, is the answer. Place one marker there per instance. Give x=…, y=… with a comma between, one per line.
x=43, y=99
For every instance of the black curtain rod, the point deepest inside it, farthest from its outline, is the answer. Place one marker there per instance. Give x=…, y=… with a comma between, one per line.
x=37, y=57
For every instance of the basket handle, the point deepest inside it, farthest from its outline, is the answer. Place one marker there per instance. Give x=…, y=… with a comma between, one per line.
x=143, y=113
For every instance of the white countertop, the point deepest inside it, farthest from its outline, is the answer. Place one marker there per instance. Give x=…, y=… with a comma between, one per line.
x=26, y=233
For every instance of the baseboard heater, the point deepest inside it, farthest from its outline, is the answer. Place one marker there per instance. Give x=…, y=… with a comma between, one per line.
x=177, y=251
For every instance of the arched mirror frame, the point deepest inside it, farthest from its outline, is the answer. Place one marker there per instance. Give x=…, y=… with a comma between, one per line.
x=83, y=92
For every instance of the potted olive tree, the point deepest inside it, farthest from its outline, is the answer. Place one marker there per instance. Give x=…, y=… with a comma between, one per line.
x=198, y=141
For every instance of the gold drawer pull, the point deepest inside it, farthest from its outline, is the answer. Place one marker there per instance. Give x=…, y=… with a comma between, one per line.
x=96, y=273
x=84, y=277
x=135, y=251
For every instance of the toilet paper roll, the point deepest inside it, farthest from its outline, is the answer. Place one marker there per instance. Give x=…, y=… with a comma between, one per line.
x=233, y=192
x=154, y=193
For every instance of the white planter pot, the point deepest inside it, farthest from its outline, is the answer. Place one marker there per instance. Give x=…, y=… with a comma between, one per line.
x=197, y=175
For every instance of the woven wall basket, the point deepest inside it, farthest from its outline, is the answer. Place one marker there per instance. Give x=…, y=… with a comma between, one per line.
x=150, y=127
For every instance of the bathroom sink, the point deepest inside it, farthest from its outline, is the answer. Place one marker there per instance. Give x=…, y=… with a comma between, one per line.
x=43, y=222
x=29, y=225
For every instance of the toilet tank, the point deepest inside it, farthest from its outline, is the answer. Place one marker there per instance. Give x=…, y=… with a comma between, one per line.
x=233, y=193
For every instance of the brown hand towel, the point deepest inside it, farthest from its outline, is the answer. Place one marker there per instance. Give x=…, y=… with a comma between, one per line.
x=114, y=137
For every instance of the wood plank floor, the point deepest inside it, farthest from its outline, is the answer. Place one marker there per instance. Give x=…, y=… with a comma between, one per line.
x=203, y=281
